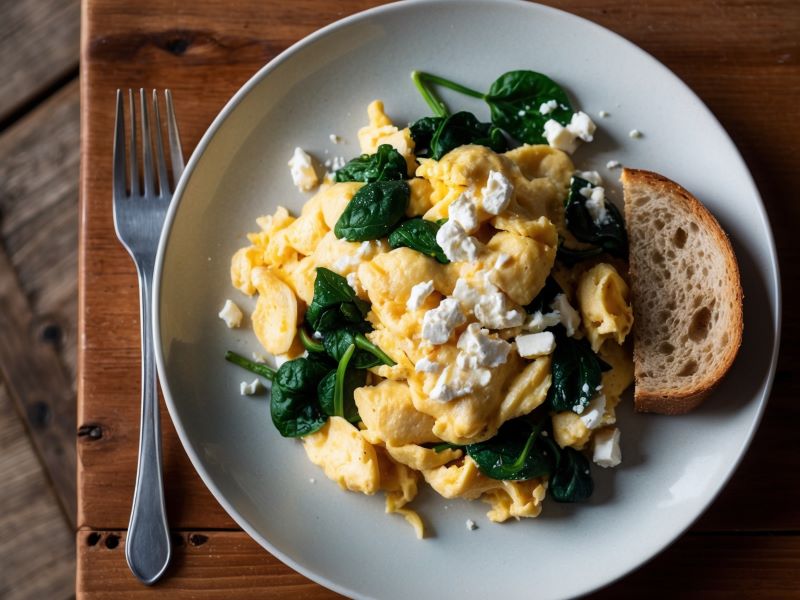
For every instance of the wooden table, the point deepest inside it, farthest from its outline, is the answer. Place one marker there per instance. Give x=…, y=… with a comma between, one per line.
x=742, y=58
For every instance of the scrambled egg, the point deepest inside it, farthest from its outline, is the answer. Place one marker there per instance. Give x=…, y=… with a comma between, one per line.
x=401, y=420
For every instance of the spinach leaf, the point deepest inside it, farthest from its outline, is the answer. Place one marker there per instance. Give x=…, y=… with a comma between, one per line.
x=514, y=100
x=335, y=304
x=609, y=235
x=387, y=164
x=576, y=372
x=420, y=235
x=367, y=354
x=374, y=211
x=422, y=131
x=464, y=128
x=545, y=297
x=571, y=479
x=512, y=454
x=353, y=378
x=265, y=371
x=309, y=343
x=294, y=405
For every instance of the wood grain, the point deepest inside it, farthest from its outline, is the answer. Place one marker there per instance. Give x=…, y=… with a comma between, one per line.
x=741, y=57
x=226, y=564
x=36, y=543
x=39, y=46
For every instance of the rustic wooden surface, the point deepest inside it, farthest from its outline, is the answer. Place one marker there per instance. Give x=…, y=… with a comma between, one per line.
x=39, y=154
x=742, y=58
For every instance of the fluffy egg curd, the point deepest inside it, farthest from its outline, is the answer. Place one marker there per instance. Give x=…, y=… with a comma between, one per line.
x=443, y=338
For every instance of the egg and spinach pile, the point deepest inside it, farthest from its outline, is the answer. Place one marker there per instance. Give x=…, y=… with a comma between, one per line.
x=399, y=294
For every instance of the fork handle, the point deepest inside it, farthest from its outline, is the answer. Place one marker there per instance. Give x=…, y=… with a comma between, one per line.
x=147, y=548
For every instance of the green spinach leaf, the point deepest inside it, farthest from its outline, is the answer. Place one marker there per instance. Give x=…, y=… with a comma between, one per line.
x=420, y=235
x=576, y=373
x=367, y=354
x=422, y=131
x=609, y=235
x=514, y=100
x=373, y=212
x=571, y=479
x=512, y=454
x=294, y=405
x=265, y=371
x=353, y=378
x=309, y=343
x=335, y=304
x=464, y=128
x=387, y=164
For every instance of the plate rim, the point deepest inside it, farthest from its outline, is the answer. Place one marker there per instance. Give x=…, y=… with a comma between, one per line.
x=217, y=124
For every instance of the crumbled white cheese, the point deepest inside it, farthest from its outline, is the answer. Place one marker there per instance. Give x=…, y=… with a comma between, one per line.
x=303, y=174
x=546, y=108
x=596, y=203
x=460, y=379
x=570, y=318
x=496, y=195
x=283, y=358
x=594, y=412
x=426, y=365
x=488, y=351
x=259, y=358
x=560, y=137
x=335, y=163
x=592, y=177
x=464, y=211
x=335, y=138
x=607, y=452
x=491, y=307
x=613, y=164
x=471, y=526
x=418, y=294
x=312, y=480
x=582, y=126
x=634, y=133
x=438, y=323
x=604, y=113
x=539, y=322
x=533, y=345
x=457, y=245
x=578, y=408
x=365, y=251
x=231, y=314
x=248, y=389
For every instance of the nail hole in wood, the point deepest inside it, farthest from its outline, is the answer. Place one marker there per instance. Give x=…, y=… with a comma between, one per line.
x=92, y=432
x=112, y=541
x=177, y=540
x=39, y=414
x=93, y=538
x=198, y=539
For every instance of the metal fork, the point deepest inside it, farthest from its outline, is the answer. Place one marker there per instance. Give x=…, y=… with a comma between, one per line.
x=138, y=219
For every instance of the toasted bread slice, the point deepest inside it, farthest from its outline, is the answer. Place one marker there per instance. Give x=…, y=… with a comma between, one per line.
x=687, y=295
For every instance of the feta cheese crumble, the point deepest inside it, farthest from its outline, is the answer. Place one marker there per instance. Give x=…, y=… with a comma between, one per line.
x=248, y=389
x=497, y=193
x=570, y=318
x=471, y=526
x=365, y=251
x=607, y=452
x=231, y=314
x=456, y=244
x=354, y=282
x=566, y=138
x=545, y=108
x=438, y=323
x=426, y=365
x=335, y=138
x=533, y=345
x=418, y=294
x=634, y=133
x=488, y=351
x=594, y=412
x=491, y=307
x=539, y=322
x=592, y=177
x=613, y=164
x=303, y=174
x=604, y=114
x=464, y=211
x=582, y=126
x=596, y=204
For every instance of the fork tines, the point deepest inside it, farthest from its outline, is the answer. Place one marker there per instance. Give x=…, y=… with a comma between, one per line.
x=154, y=186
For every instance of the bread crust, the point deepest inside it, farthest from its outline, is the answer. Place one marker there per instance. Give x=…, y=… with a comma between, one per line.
x=682, y=400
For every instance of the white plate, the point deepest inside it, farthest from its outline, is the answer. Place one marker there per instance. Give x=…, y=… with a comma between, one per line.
x=673, y=467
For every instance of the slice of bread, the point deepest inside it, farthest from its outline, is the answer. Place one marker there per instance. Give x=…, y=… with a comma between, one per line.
x=687, y=296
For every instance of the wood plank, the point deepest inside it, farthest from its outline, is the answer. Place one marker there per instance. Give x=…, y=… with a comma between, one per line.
x=37, y=546
x=206, y=564
x=38, y=162
x=214, y=564
x=39, y=44
x=744, y=69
